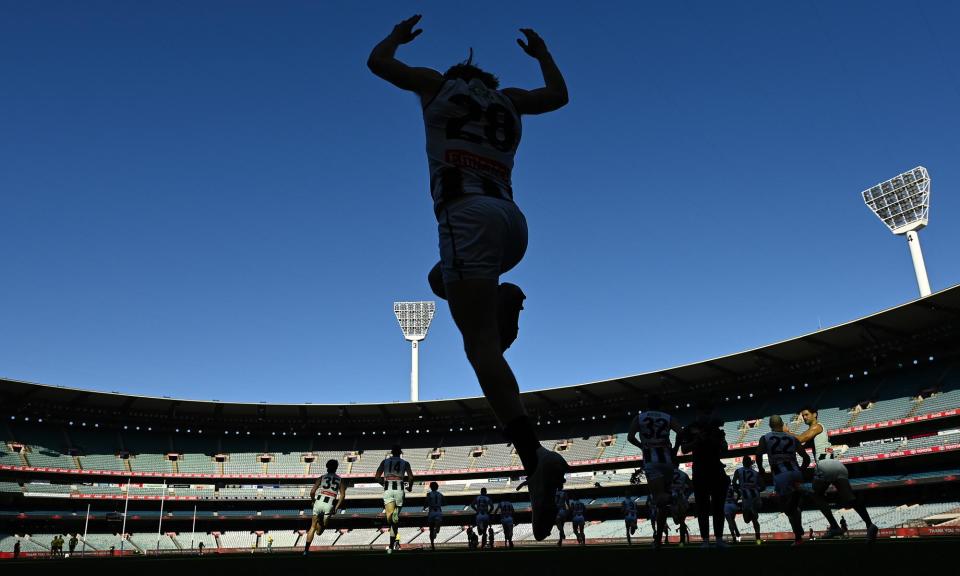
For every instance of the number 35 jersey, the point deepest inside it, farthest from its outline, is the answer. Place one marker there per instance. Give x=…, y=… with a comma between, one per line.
x=472, y=137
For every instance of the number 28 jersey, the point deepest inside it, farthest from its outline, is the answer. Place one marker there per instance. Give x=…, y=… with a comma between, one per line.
x=472, y=137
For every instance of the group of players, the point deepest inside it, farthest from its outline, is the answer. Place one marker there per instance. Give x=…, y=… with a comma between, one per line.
x=788, y=455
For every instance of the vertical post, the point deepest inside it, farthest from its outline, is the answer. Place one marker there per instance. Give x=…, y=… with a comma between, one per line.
x=123, y=529
x=913, y=240
x=163, y=496
x=86, y=524
x=414, y=371
x=193, y=531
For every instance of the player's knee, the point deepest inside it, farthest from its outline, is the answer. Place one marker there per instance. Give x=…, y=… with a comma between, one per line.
x=435, y=278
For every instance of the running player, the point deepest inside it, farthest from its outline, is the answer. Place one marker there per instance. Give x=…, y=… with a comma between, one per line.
x=830, y=471
x=680, y=490
x=749, y=484
x=650, y=431
x=392, y=473
x=562, y=502
x=327, y=495
x=434, y=507
x=505, y=509
x=473, y=129
x=629, y=506
x=730, y=511
x=782, y=450
x=578, y=511
x=482, y=505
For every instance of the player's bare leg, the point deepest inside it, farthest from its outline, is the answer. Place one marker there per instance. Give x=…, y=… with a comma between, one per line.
x=314, y=525
x=661, y=499
x=846, y=498
x=390, y=513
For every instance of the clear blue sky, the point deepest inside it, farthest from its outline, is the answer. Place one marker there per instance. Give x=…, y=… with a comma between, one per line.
x=217, y=200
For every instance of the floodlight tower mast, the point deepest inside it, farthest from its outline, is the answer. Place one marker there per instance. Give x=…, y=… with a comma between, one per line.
x=414, y=319
x=903, y=204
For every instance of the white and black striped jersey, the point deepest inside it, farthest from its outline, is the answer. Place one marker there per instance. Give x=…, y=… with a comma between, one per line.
x=434, y=501
x=654, y=432
x=749, y=482
x=506, y=511
x=483, y=504
x=781, y=451
x=578, y=508
x=629, y=506
x=472, y=138
x=393, y=469
x=329, y=489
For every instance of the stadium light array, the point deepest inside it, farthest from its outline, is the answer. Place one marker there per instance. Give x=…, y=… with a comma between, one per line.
x=903, y=205
x=414, y=319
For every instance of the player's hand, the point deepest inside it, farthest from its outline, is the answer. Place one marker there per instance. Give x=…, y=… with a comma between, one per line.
x=404, y=32
x=535, y=46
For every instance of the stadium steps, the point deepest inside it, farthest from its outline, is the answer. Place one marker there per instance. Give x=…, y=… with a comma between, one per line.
x=76, y=463
x=84, y=543
x=915, y=409
x=45, y=546
x=216, y=538
x=176, y=543
x=744, y=430
x=129, y=541
x=176, y=466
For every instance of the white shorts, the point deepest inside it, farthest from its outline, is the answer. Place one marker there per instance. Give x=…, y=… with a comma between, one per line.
x=395, y=496
x=321, y=507
x=482, y=520
x=507, y=522
x=481, y=237
x=830, y=470
x=578, y=521
x=786, y=483
x=658, y=470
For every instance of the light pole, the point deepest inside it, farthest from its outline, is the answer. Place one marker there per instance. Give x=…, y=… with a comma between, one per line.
x=903, y=205
x=414, y=319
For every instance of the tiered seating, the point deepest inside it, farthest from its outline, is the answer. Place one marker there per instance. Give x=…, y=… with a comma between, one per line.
x=102, y=462
x=358, y=537
x=238, y=539
x=325, y=539
x=150, y=463
x=198, y=463
x=243, y=463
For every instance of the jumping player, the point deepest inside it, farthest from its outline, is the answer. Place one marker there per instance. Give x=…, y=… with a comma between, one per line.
x=629, y=506
x=830, y=470
x=578, y=511
x=782, y=450
x=505, y=509
x=482, y=505
x=749, y=484
x=392, y=473
x=327, y=495
x=650, y=431
x=473, y=130
x=434, y=507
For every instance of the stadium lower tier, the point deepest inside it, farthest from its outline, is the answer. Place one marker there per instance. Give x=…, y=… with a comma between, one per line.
x=932, y=518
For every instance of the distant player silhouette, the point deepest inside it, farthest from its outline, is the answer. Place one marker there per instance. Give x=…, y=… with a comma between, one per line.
x=473, y=129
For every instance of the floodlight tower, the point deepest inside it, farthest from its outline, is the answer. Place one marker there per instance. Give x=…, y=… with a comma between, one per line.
x=903, y=204
x=414, y=319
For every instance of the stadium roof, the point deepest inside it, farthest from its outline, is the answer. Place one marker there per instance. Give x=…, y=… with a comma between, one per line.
x=915, y=323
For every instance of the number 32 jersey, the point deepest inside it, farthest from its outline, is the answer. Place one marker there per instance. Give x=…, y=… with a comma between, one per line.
x=472, y=137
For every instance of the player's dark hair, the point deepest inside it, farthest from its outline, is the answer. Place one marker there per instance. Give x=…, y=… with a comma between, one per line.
x=747, y=461
x=483, y=491
x=809, y=408
x=396, y=451
x=654, y=402
x=434, y=486
x=467, y=71
x=332, y=465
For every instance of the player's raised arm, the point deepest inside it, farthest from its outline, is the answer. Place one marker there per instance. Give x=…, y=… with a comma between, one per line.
x=383, y=62
x=808, y=434
x=554, y=93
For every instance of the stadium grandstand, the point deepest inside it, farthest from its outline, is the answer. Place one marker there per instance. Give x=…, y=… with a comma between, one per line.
x=143, y=476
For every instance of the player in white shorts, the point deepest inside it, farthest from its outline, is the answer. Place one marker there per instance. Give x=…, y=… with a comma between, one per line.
x=482, y=506
x=650, y=431
x=327, y=496
x=392, y=474
x=473, y=129
x=830, y=471
x=629, y=507
x=434, y=507
x=578, y=512
x=680, y=490
x=748, y=482
x=782, y=449
x=562, y=502
x=505, y=509
x=730, y=509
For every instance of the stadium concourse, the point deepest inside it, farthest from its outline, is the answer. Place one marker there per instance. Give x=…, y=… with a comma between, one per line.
x=150, y=479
